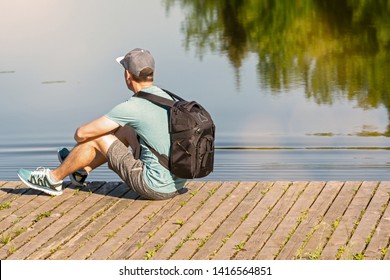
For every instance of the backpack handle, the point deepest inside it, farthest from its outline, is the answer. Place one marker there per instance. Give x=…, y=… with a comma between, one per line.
x=173, y=95
x=192, y=104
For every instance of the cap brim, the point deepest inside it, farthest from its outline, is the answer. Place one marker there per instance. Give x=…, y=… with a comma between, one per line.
x=119, y=60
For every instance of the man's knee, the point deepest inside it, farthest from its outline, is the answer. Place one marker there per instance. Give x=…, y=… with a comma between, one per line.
x=104, y=142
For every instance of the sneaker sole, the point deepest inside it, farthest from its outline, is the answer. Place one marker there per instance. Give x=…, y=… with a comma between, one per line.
x=40, y=188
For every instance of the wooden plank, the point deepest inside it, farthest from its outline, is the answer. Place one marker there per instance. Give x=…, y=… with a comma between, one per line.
x=22, y=207
x=115, y=234
x=17, y=195
x=380, y=240
x=239, y=214
x=172, y=233
x=38, y=226
x=213, y=220
x=98, y=223
x=269, y=221
x=150, y=228
x=387, y=256
x=324, y=228
x=94, y=206
x=87, y=249
x=268, y=226
x=133, y=205
x=5, y=190
x=367, y=226
x=204, y=204
x=154, y=223
x=270, y=197
x=291, y=221
x=149, y=208
x=9, y=191
x=292, y=249
x=188, y=203
x=16, y=200
x=190, y=243
x=218, y=217
x=338, y=245
x=44, y=236
x=34, y=222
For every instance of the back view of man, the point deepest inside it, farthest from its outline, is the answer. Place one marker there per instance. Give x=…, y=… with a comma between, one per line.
x=112, y=138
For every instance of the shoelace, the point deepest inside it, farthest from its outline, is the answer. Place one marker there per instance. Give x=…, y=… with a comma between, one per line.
x=40, y=172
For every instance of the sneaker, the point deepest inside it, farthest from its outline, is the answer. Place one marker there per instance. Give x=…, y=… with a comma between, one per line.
x=77, y=178
x=40, y=180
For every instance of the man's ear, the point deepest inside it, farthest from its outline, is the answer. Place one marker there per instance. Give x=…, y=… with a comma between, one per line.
x=128, y=76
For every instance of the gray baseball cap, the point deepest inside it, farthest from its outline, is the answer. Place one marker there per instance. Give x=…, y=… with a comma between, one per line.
x=137, y=61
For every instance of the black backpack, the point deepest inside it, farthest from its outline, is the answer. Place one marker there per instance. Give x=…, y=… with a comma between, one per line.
x=192, y=133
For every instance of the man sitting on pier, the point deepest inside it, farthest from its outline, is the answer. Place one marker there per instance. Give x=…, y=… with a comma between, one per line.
x=112, y=138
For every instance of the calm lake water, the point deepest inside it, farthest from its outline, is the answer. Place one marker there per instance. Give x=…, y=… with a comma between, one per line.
x=299, y=90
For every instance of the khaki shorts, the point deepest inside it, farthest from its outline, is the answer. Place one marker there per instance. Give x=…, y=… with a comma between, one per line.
x=121, y=160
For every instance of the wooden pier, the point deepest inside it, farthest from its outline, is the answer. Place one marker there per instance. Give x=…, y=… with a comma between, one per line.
x=212, y=220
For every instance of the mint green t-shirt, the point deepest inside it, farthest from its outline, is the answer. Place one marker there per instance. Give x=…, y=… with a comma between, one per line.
x=150, y=122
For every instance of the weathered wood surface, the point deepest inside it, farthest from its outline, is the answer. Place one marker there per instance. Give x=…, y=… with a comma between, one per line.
x=212, y=220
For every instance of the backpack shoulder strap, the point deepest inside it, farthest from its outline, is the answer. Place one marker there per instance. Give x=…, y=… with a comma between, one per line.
x=163, y=102
x=162, y=159
x=158, y=100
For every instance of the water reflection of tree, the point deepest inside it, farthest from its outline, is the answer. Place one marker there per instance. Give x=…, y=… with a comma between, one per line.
x=337, y=48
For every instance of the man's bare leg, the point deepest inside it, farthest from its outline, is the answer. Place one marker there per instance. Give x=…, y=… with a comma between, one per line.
x=91, y=154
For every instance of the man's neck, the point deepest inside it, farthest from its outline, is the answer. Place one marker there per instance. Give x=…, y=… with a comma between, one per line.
x=140, y=86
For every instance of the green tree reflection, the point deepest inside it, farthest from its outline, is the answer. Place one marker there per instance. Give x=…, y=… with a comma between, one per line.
x=335, y=48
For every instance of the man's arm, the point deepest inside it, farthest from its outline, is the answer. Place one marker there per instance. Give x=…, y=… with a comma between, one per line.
x=94, y=129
